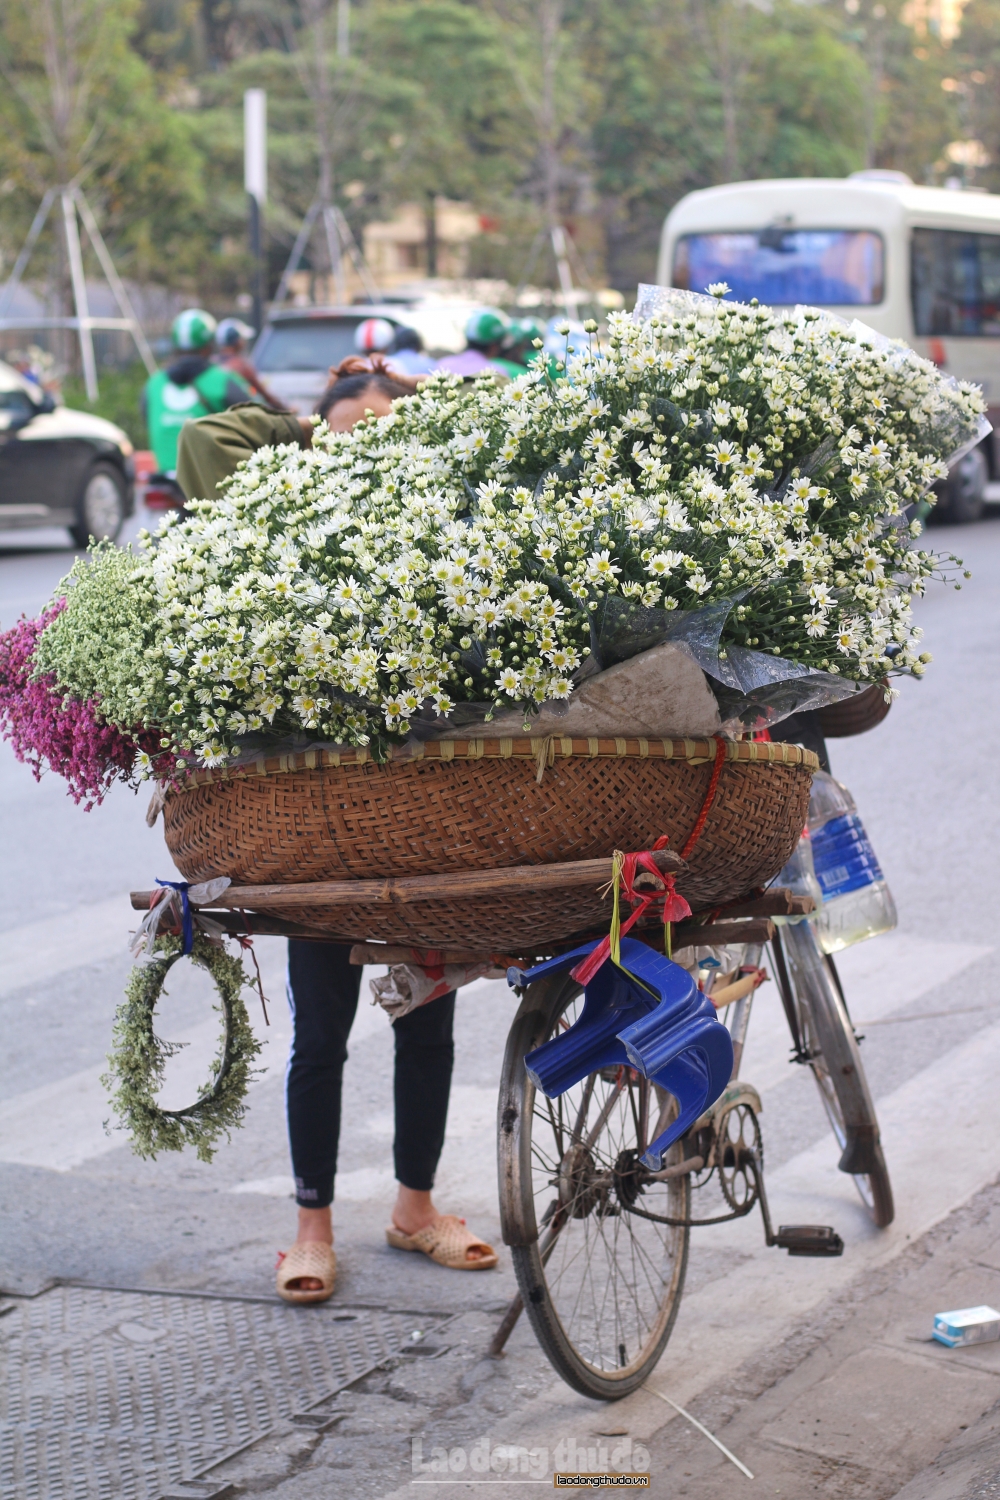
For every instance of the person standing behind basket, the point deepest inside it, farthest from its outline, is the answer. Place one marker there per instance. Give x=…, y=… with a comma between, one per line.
x=323, y=986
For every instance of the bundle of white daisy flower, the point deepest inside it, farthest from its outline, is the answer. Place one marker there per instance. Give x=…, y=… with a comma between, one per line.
x=469, y=547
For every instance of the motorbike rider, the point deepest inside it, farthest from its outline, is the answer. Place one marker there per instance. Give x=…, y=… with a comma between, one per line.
x=232, y=338
x=519, y=346
x=485, y=332
x=407, y=354
x=193, y=385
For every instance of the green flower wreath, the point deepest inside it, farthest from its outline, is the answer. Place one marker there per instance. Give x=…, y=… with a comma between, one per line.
x=136, y=1061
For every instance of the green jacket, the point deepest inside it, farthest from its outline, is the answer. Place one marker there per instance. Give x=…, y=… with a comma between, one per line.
x=189, y=388
x=212, y=448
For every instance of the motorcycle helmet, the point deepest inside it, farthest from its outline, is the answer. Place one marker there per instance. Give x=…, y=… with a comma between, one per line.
x=486, y=326
x=233, y=331
x=193, y=329
x=374, y=336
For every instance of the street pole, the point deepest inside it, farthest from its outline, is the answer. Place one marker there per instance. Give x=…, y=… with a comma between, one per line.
x=255, y=182
x=343, y=28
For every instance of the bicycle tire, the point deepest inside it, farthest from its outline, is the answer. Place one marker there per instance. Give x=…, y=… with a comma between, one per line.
x=608, y=1348
x=829, y=1043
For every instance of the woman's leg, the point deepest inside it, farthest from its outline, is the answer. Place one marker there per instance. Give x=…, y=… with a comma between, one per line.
x=323, y=991
x=425, y=1054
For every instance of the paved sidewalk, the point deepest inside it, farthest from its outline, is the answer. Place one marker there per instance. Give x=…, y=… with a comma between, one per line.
x=968, y=1468
x=858, y=1398
x=853, y=1403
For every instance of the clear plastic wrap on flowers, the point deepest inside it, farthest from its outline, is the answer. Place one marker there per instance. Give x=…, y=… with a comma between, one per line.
x=751, y=690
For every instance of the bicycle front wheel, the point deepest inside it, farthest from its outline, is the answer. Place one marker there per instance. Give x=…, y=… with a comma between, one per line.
x=601, y=1283
x=828, y=1040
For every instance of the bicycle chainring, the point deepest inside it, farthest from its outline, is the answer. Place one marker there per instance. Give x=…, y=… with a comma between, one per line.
x=737, y=1142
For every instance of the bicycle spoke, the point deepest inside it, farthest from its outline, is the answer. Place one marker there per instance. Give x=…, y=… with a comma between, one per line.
x=605, y=1112
x=556, y=1127
x=581, y=1118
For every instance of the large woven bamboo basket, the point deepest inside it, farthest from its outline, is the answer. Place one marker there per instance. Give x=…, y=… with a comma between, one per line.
x=488, y=804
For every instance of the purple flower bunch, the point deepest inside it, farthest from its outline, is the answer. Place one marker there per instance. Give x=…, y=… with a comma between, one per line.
x=47, y=728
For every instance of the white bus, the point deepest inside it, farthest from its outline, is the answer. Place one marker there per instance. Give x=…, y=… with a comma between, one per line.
x=916, y=263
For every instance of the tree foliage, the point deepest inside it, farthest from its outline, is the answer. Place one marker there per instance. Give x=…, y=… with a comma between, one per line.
x=81, y=105
x=973, y=81
x=598, y=114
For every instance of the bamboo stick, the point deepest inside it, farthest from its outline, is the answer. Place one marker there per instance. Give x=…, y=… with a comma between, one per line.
x=717, y=934
x=406, y=890
x=777, y=902
x=257, y=924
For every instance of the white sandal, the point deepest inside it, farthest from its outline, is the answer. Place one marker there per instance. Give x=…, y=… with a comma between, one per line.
x=309, y=1258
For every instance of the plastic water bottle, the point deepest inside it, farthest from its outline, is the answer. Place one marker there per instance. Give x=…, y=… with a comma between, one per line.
x=799, y=876
x=857, y=903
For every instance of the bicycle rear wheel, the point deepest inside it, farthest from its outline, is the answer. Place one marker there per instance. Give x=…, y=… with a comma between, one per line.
x=828, y=1040
x=600, y=1283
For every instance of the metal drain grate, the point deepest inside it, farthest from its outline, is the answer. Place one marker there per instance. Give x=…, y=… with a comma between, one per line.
x=116, y=1395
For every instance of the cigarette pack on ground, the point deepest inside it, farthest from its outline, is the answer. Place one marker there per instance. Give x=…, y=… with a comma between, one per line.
x=969, y=1325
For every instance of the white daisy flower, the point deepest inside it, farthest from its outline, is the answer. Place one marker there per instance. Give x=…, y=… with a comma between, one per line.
x=724, y=453
x=600, y=567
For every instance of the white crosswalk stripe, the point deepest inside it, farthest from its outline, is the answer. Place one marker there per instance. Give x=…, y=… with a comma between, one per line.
x=37, y=952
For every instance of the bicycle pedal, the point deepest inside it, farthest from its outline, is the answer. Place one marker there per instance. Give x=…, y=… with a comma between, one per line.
x=809, y=1239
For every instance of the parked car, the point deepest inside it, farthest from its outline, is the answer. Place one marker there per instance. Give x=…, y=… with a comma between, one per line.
x=60, y=467
x=297, y=346
x=916, y=263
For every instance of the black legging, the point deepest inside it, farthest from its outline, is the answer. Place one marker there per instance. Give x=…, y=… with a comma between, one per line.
x=323, y=991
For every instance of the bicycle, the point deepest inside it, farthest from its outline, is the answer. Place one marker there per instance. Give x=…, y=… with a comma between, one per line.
x=600, y=1242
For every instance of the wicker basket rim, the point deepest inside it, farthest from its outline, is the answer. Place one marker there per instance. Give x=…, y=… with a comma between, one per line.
x=543, y=751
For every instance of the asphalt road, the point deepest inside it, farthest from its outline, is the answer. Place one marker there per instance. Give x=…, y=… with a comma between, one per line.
x=79, y=1207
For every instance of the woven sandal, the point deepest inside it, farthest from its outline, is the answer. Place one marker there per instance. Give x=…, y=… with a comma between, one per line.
x=309, y=1258
x=446, y=1241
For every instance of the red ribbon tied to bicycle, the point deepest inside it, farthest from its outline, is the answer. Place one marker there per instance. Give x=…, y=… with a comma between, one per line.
x=631, y=878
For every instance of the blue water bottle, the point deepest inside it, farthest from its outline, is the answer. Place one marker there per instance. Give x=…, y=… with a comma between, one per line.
x=857, y=902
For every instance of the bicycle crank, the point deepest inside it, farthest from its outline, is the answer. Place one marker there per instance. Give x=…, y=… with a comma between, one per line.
x=726, y=1140
x=738, y=1156
x=797, y=1239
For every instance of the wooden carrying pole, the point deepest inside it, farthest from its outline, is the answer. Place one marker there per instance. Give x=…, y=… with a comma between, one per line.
x=405, y=890
x=243, y=915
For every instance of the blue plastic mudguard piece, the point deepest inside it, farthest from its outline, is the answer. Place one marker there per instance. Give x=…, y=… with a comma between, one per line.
x=646, y=1013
